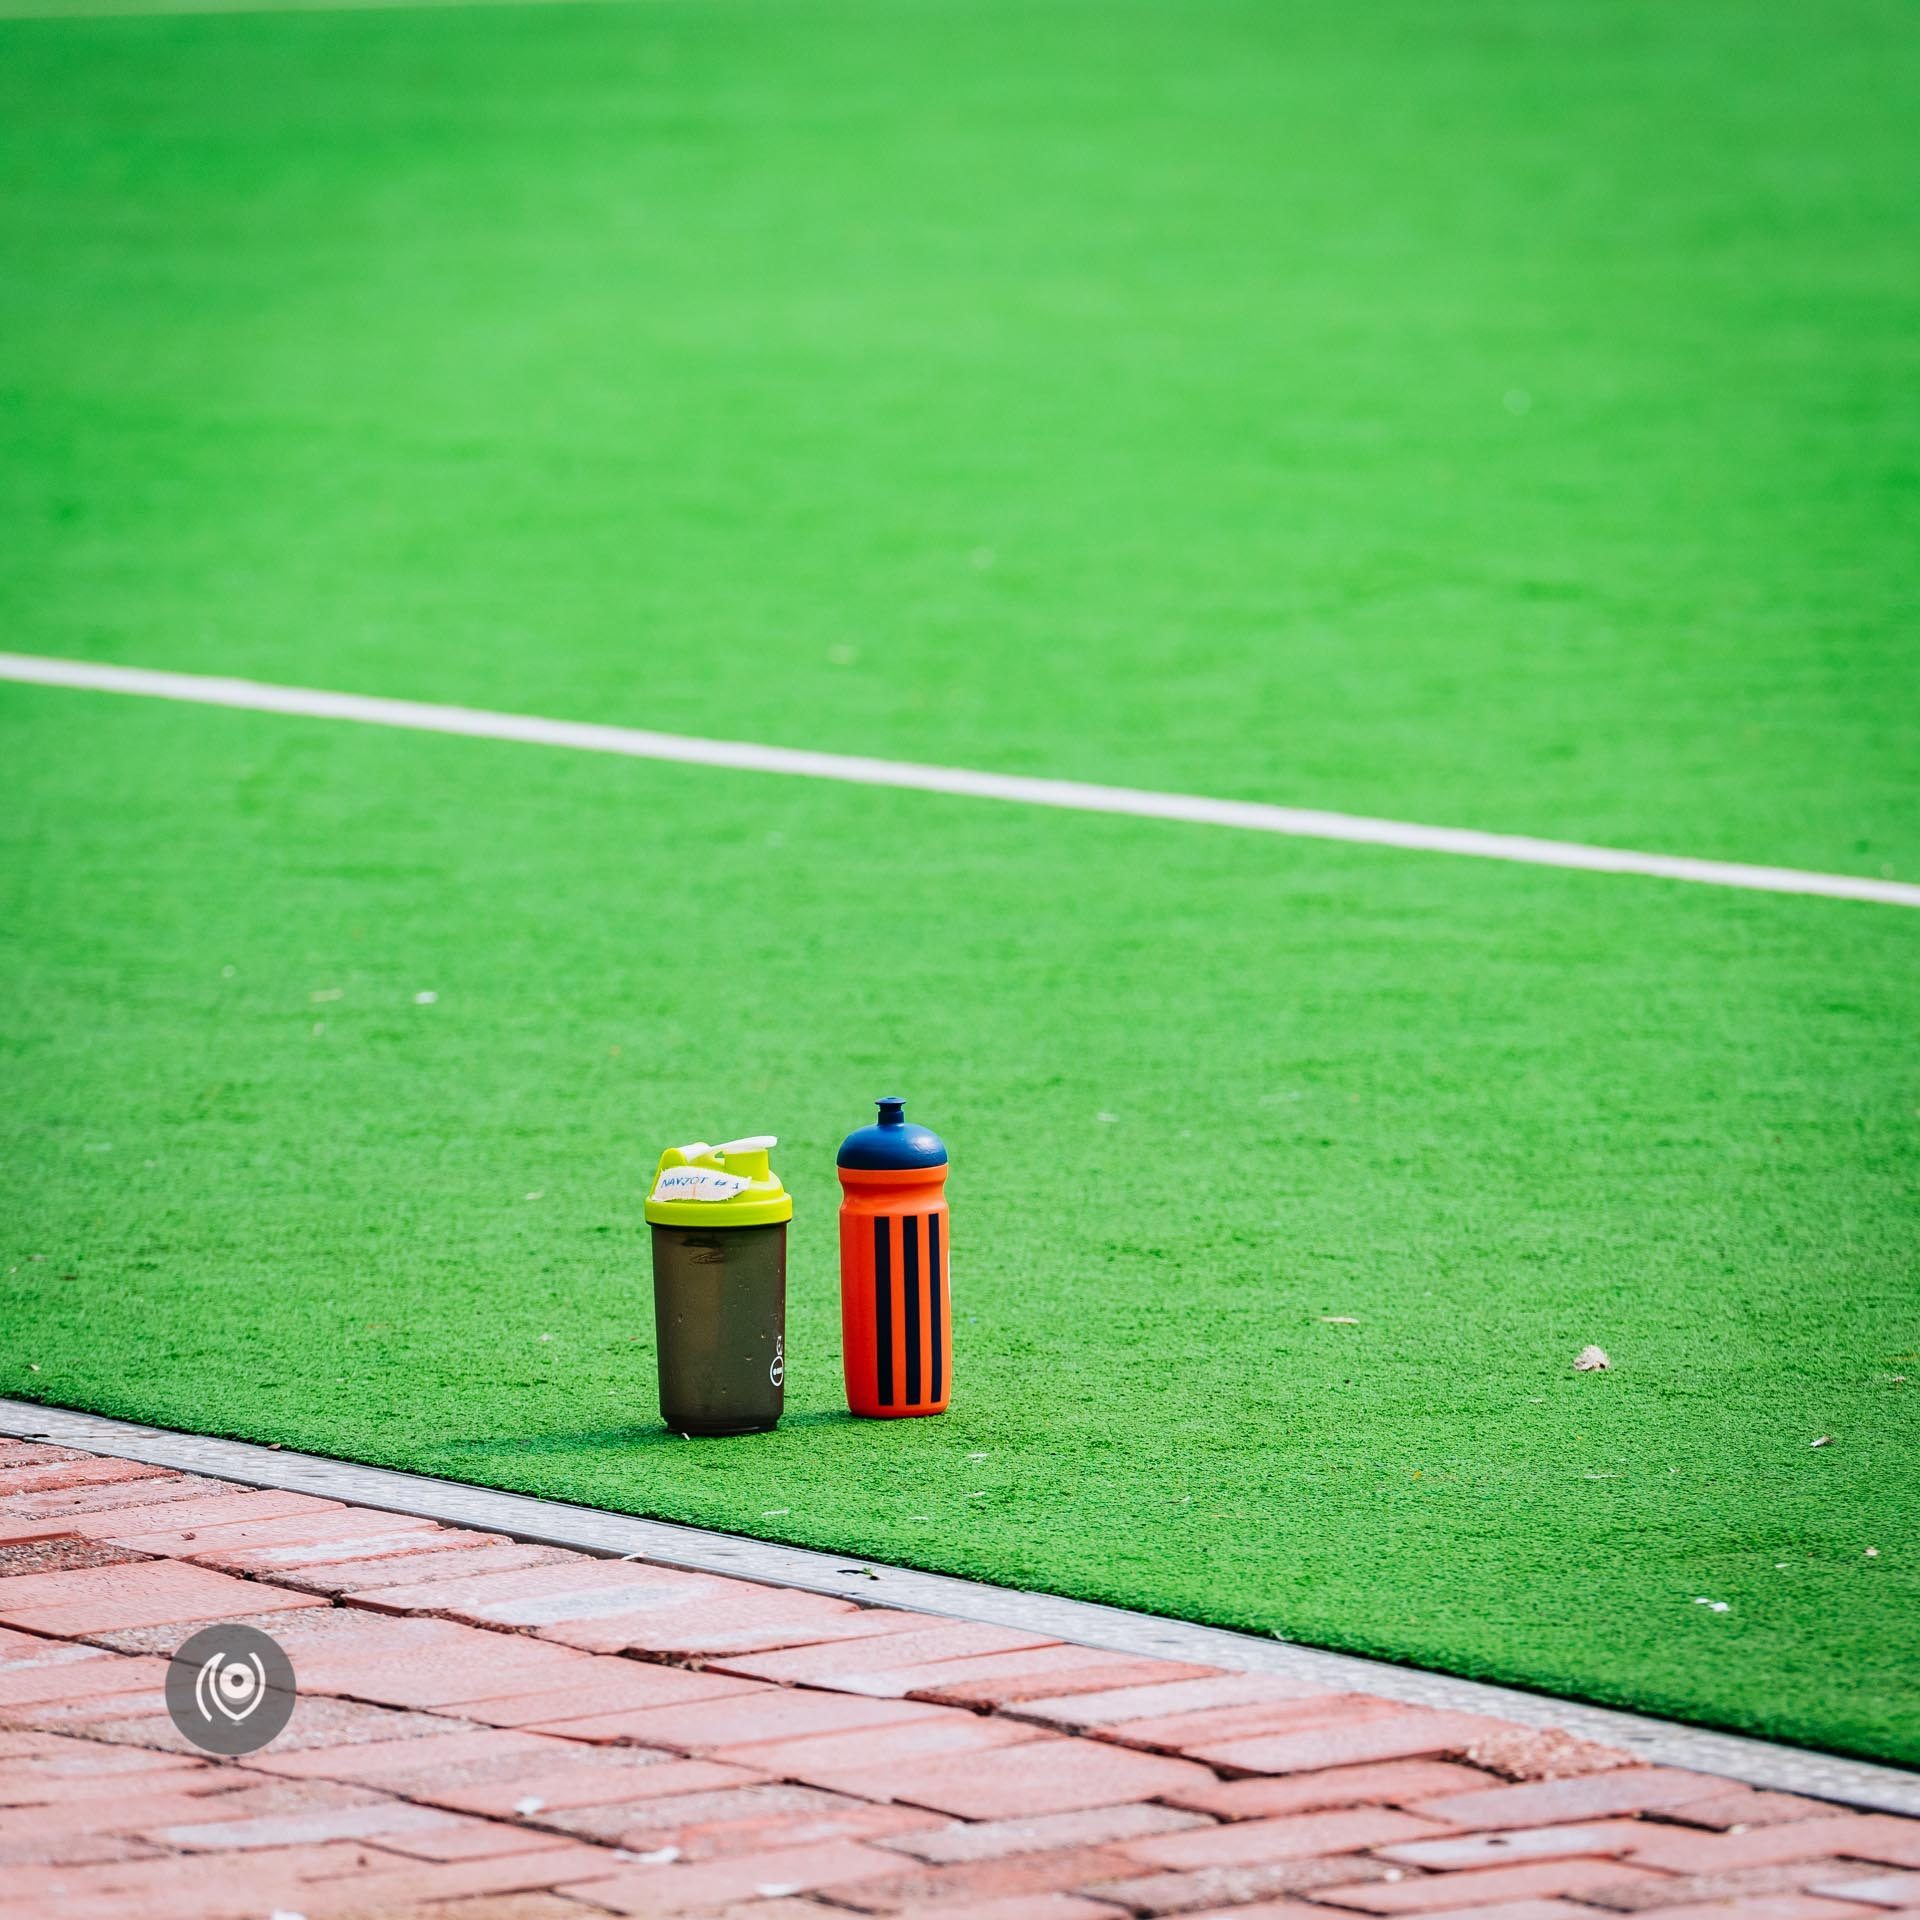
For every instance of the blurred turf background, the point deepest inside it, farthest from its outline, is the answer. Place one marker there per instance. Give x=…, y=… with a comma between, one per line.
x=1497, y=415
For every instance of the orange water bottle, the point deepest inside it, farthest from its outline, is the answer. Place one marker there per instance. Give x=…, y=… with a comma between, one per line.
x=896, y=1317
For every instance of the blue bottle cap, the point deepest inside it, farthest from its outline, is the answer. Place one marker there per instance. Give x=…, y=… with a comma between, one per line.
x=891, y=1142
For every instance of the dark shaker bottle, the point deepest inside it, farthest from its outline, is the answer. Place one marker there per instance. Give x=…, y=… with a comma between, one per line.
x=719, y=1222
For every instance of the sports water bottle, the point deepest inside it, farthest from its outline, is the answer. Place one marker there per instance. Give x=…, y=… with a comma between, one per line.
x=896, y=1319
x=719, y=1217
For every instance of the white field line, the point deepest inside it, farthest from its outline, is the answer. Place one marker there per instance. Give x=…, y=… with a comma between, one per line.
x=1075, y=795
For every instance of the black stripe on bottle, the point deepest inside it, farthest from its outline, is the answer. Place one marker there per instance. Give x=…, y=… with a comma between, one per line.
x=934, y=1291
x=883, y=1308
x=910, y=1288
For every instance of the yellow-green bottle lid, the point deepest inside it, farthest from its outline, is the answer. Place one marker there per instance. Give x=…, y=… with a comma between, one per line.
x=724, y=1186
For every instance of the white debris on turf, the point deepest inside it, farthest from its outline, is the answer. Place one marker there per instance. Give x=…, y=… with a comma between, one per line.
x=1591, y=1360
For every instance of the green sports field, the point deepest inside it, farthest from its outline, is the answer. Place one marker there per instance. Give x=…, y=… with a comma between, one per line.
x=1497, y=415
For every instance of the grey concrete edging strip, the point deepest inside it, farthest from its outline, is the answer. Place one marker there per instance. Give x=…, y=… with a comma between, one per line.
x=1664, y=1743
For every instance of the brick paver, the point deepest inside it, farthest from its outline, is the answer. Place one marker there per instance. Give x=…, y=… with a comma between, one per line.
x=197, y=1540
x=1214, y=1726
x=575, y=1588
x=1784, y=1906
x=368, y=1577
x=933, y=1889
x=1897, y=1890
x=1861, y=1836
x=76, y=1673
x=1038, y=1673
x=98, y=1599
x=1035, y=1906
x=1748, y=1807
x=1651, y=1892
x=951, y=1842
x=41, y=1476
x=1635, y=1790
x=1409, y=1734
x=1158, y=1698
x=1389, y=1783
x=405, y=1748
x=1591, y=1838
x=1445, y=1892
x=1041, y=1776
x=1205, y=1887
x=911, y=1644
x=674, y=1888
x=216, y=1506
x=1297, y=1836
x=765, y=1714
x=744, y=1819
x=493, y=1731
x=20, y=1518
x=746, y=1620
x=606, y=1686
x=850, y=1759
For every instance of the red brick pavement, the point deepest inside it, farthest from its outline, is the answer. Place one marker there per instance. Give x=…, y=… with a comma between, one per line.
x=491, y=1731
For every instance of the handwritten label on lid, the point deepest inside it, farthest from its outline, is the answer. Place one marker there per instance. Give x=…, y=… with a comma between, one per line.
x=698, y=1183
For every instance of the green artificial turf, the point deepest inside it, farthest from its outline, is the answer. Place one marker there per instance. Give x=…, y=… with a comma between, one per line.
x=1122, y=391
x=1496, y=415
x=1208, y=1095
